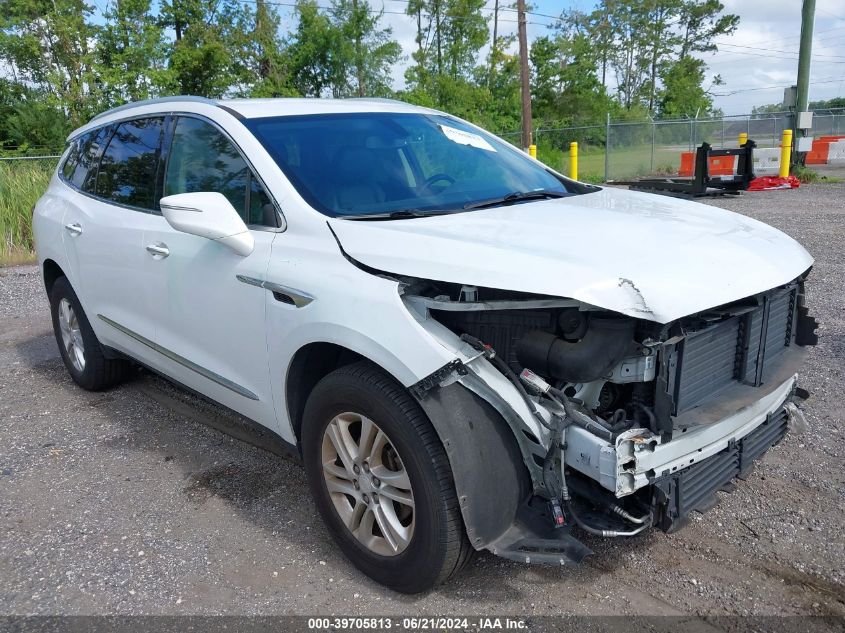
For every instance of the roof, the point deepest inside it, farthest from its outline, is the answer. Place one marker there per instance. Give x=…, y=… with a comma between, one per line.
x=255, y=108
x=250, y=108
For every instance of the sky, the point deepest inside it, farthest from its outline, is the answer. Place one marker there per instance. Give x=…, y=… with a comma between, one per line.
x=756, y=62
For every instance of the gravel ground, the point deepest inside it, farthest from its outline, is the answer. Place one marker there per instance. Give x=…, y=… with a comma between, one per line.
x=125, y=502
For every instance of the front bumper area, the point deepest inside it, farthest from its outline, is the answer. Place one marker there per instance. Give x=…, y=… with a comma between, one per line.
x=691, y=489
x=639, y=457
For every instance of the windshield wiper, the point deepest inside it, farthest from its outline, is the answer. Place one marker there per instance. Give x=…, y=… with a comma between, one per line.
x=396, y=215
x=516, y=196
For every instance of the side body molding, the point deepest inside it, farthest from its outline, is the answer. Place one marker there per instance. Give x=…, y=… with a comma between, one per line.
x=285, y=294
x=202, y=371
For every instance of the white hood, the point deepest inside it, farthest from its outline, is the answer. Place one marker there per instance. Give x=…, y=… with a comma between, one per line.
x=646, y=256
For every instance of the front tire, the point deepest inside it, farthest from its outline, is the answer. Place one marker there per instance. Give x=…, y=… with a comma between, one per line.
x=381, y=480
x=78, y=345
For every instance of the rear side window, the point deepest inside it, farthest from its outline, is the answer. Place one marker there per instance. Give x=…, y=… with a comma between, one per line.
x=128, y=167
x=85, y=175
x=72, y=159
x=80, y=168
x=202, y=158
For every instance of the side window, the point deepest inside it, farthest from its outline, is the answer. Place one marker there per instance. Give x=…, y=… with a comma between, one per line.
x=85, y=175
x=203, y=159
x=80, y=168
x=128, y=167
x=72, y=159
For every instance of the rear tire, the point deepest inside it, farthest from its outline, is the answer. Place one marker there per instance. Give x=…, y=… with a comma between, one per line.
x=424, y=542
x=78, y=345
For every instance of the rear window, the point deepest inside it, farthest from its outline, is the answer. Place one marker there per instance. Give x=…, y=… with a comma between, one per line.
x=128, y=167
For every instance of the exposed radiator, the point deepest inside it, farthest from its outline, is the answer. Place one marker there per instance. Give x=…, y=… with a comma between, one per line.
x=694, y=488
x=740, y=348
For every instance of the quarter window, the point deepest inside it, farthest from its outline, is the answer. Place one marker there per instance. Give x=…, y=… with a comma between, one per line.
x=72, y=159
x=80, y=168
x=203, y=159
x=85, y=174
x=128, y=168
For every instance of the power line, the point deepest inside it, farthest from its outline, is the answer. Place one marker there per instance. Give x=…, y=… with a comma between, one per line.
x=373, y=11
x=771, y=50
x=508, y=9
x=733, y=92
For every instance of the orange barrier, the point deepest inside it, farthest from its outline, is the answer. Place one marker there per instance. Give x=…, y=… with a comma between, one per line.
x=821, y=148
x=718, y=165
x=818, y=155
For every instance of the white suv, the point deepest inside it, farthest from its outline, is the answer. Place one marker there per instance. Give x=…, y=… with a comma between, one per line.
x=467, y=350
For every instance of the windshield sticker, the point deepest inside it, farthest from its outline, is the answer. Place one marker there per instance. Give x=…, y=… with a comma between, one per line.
x=466, y=138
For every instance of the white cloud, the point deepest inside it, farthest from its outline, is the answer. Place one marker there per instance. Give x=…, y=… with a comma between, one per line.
x=775, y=27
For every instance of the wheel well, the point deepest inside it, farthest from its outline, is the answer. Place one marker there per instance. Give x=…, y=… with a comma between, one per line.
x=52, y=271
x=310, y=365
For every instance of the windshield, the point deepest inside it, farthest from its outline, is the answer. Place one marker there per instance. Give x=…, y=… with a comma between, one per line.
x=376, y=164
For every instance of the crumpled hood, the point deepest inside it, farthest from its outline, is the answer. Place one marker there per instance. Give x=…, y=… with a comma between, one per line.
x=643, y=255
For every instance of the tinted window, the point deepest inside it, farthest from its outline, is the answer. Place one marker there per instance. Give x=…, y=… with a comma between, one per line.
x=128, y=168
x=85, y=173
x=203, y=159
x=359, y=164
x=72, y=159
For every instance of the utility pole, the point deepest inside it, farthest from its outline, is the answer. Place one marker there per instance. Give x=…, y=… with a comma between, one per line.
x=802, y=98
x=493, y=47
x=524, y=76
x=808, y=14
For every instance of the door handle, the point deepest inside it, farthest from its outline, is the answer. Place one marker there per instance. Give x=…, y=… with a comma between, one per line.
x=158, y=250
x=74, y=229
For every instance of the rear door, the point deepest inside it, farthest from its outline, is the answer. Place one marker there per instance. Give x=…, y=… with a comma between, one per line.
x=112, y=205
x=211, y=318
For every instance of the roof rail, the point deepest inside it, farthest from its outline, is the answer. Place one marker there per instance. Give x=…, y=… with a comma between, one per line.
x=379, y=100
x=144, y=102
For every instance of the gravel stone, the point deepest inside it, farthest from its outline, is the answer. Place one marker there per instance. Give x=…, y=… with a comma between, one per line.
x=127, y=502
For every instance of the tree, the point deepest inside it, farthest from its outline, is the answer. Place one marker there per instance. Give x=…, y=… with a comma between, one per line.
x=640, y=40
x=450, y=34
x=262, y=61
x=464, y=33
x=311, y=52
x=700, y=22
x=564, y=80
x=630, y=57
x=683, y=93
x=130, y=53
x=46, y=46
x=208, y=33
x=366, y=50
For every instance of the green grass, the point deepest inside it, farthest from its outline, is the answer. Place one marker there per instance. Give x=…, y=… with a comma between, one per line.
x=807, y=175
x=625, y=163
x=21, y=183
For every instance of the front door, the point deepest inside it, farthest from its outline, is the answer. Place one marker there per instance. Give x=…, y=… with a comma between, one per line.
x=211, y=326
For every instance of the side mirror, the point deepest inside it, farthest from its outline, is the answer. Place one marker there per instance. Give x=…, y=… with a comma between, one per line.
x=208, y=214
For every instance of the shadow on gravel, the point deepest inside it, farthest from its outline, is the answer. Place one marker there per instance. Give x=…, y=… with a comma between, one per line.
x=148, y=414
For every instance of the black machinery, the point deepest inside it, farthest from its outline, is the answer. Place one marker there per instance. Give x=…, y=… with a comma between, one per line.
x=702, y=183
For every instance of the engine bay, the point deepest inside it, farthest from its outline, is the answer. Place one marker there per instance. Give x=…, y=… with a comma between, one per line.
x=631, y=404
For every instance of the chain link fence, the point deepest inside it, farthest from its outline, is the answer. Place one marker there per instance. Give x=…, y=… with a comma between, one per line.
x=625, y=150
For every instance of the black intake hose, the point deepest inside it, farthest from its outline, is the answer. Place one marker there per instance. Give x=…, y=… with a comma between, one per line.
x=605, y=344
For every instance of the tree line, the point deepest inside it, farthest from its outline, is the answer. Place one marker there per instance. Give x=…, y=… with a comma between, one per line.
x=65, y=60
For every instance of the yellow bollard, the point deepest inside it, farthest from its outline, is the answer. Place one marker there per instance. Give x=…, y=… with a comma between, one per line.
x=743, y=138
x=573, y=160
x=532, y=151
x=785, y=153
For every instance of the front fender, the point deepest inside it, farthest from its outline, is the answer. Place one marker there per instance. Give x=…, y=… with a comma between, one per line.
x=490, y=478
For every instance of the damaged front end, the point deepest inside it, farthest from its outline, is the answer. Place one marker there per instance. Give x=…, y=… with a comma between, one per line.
x=578, y=415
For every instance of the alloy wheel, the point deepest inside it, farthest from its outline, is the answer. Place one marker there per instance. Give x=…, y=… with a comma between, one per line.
x=71, y=335
x=368, y=484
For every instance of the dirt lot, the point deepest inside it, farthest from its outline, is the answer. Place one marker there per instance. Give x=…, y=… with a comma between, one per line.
x=125, y=502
